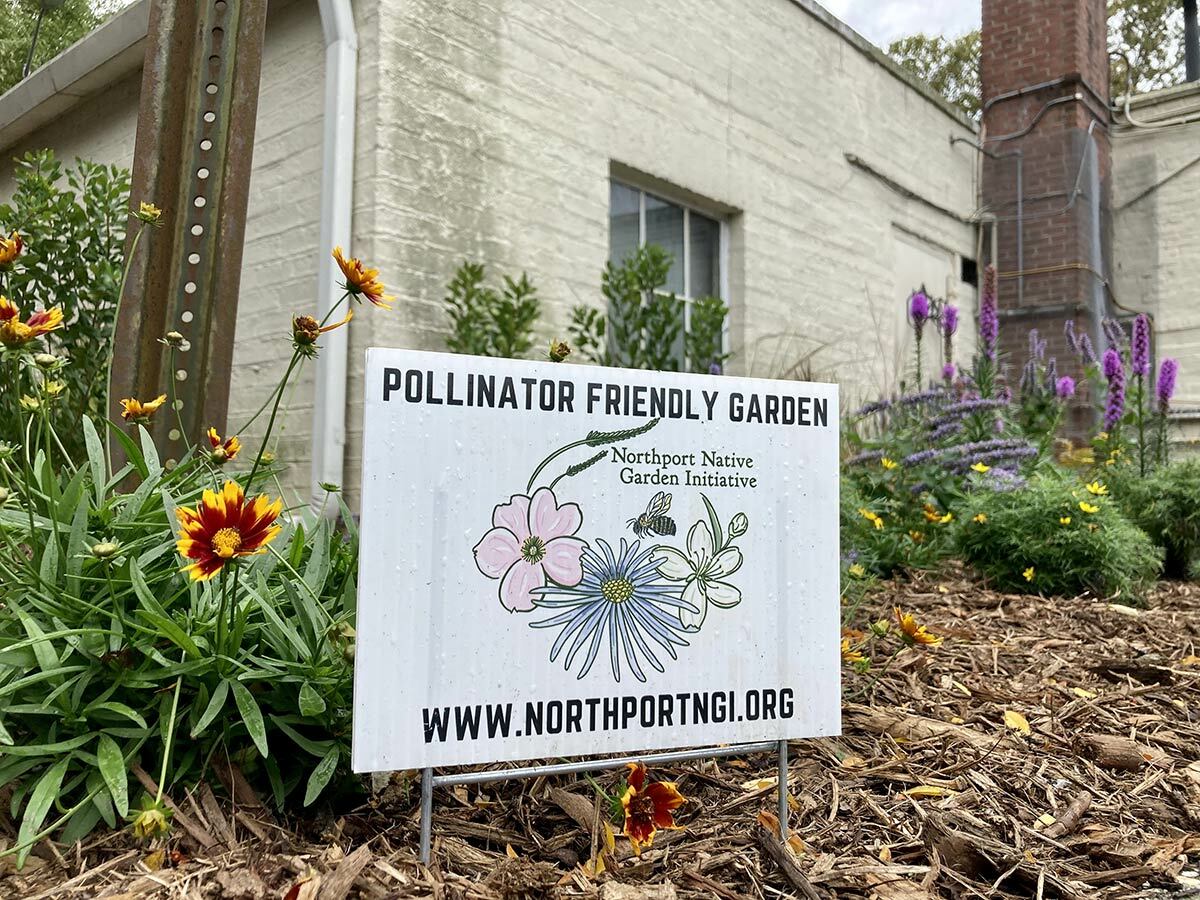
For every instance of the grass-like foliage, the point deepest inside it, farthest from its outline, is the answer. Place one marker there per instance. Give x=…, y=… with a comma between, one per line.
x=159, y=620
x=1057, y=536
x=1166, y=505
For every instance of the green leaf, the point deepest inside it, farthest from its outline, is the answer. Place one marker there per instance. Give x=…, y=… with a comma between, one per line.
x=316, y=748
x=119, y=709
x=251, y=715
x=149, y=451
x=81, y=824
x=215, y=705
x=38, y=805
x=132, y=453
x=48, y=570
x=95, y=452
x=42, y=648
x=318, y=561
x=311, y=702
x=172, y=632
x=112, y=768
x=321, y=774
x=277, y=788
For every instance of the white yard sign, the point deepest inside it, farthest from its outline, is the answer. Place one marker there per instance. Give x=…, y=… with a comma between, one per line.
x=565, y=560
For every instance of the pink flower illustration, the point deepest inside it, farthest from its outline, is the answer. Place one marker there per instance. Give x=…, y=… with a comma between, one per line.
x=532, y=540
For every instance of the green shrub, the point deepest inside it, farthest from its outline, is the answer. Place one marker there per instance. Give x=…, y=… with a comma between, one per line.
x=1057, y=537
x=1166, y=505
x=73, y=223
x=642, y=326
x=487, y=322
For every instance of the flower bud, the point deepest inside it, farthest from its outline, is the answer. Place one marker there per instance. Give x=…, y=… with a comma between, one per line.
x=45, y=360
x=148, y=213
x=105, y=549
x=173, y=339
x=305, y=330
x=559, y=350
x=3, y=495
x=739, y=525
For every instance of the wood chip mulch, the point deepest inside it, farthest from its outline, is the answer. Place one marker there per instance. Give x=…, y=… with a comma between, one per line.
x=1048, y=748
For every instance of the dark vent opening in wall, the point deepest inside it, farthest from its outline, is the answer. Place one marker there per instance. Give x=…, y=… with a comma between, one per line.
x=969, y=271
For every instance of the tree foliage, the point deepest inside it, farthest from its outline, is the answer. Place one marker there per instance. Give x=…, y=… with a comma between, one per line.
x=60, y=28
x=949, y=65
x=1145, y=44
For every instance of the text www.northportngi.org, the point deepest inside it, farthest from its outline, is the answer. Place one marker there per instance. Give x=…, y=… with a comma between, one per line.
x=595, y=714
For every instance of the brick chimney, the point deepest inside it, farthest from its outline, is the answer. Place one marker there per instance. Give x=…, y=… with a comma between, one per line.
x=1044, y=73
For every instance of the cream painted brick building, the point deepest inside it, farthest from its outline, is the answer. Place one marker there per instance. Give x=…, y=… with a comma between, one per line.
x=492, y=130
x=1156, y=248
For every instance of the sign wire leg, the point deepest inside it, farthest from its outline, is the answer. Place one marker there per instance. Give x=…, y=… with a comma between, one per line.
x=783, y=791
x=426, y=814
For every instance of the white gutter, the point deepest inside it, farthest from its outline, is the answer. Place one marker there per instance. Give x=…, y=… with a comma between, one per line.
x=337, y=201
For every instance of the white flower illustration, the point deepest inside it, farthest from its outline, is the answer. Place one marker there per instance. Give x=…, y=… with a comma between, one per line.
x=703, y=571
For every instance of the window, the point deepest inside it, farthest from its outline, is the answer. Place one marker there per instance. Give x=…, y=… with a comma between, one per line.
x=693, y=239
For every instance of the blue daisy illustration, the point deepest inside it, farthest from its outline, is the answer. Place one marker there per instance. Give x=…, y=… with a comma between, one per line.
x=621, y=597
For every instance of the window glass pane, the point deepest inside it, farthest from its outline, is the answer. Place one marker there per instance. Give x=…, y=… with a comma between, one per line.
x=704, y=252
x=664, y=226
x=624, y=222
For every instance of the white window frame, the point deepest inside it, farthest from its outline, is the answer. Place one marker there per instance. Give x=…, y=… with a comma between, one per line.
x=722, y=252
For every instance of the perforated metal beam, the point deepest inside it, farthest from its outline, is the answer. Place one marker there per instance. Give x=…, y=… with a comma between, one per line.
x=195, y=143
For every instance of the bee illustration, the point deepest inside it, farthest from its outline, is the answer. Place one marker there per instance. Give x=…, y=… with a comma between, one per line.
x=655, y=519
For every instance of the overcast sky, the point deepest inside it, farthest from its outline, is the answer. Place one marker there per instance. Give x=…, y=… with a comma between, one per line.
x=882, y=21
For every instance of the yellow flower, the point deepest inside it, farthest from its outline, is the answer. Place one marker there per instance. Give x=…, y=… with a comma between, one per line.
x=15, y=333
x=932, y=514
x=10, y=249
x=980, y=468
x=30, y=404
x=912, y=632
x=857, y=570
x=151, y=822
x=53, y=389
x=980, y=518
x=871, y=517
x=851, y=654
x=362, y=281
x=223, y=450
x=148, y=213
x=888, y=464
x=1087, y=507
x=1097, y=488
x=948, y=517
x=225, y=526
x=917, y=536
x=133, y=410
x=1028, y=574
x=1064, y=520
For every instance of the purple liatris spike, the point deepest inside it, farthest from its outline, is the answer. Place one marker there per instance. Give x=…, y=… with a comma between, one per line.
x=1113, y=364
x=1087, y=353
x=949, y=319
x=1114, y=334
x=1072, y=337
x=1114, y=371
x=1033, y=343
x=714, y=369
x=918, y=308
x=1051, y=375
x=1064, y=388
x=989, y=320
x=1139, y=352
x=1165, y=389
x=1029, y=378
x=948, y=371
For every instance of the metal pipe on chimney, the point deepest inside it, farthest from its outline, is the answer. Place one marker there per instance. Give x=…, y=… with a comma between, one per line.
x=1191, y=41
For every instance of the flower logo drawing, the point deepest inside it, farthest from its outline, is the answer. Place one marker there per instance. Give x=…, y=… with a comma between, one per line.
x=532, y=539
x=641, y=599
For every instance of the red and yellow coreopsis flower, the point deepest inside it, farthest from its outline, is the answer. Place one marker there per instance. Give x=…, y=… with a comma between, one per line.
x=648, y=807
x=10, y=249
x=362, y=281
x=912, y=632
x=223, y=450
x=133, y=410
x=15, y=333
x=225, y=526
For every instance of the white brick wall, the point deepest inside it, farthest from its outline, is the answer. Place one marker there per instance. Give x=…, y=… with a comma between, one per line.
x=487, y=128
x=1156, y=246
x=499, y=122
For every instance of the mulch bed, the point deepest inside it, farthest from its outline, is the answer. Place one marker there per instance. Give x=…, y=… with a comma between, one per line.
x=936, y=789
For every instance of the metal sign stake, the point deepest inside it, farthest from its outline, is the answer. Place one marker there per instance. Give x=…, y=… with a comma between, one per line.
x=429, y=780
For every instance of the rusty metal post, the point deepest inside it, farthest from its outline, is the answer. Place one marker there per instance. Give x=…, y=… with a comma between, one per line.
x=195, y=145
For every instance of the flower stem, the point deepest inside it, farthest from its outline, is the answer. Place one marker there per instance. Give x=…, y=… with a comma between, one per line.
x=162, y=778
